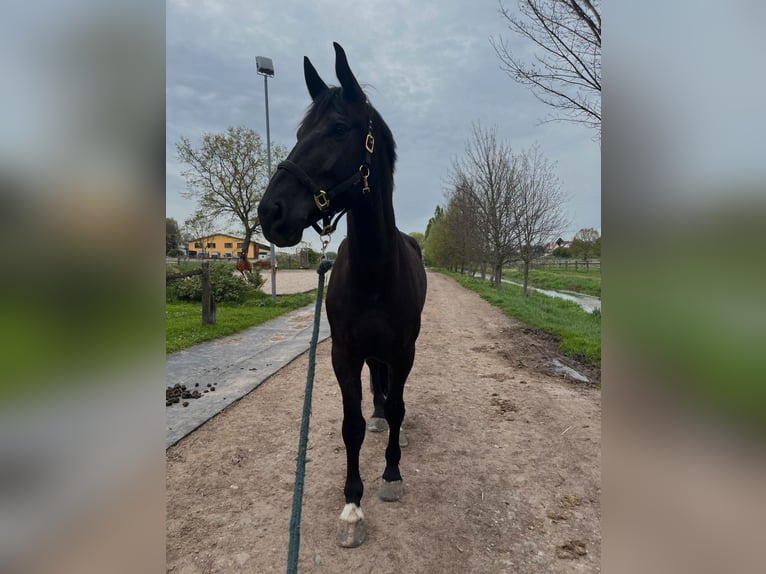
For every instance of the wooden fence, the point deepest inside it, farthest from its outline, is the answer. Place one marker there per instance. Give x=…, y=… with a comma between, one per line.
x=559, y=263
x=208, y=300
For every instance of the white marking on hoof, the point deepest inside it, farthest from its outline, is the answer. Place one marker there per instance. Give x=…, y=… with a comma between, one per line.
x=351, y=513
x=390, y=491
x=377, y=424
x=352, y=529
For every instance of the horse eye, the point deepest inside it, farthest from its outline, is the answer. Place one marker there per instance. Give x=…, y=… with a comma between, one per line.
x=340, y=129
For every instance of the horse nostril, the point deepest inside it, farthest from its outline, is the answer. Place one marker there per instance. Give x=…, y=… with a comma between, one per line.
x=270, y=211
x=276, y=210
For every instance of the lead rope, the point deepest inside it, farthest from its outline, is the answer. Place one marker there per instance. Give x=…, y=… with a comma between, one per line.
x=300, y=470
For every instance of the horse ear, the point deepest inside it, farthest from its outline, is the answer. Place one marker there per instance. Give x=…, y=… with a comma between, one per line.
x=314, y=83
x=351, y=88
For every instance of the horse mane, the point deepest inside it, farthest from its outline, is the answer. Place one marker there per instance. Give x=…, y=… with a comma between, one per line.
x=331, y=99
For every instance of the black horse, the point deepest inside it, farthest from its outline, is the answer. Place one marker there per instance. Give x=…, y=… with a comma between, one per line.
x=344, y=162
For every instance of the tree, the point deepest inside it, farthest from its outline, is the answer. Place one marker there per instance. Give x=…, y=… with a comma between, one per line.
x=537, y=206
x=435, y=240
x=228, y=175
x=586, y=244
x=565, y=70
x=199, y=227
x=172, y=238
x=419, y=237
x=485, y=178
x=463, y=229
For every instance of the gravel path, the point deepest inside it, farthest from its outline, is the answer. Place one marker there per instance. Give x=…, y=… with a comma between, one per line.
x=502, y=471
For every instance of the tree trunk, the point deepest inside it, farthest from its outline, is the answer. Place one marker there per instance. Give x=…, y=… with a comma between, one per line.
x=526, y=279
x=498, y=275
x=247, y=241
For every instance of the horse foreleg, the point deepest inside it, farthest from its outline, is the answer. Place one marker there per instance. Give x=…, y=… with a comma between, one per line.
x=391, y=485
x=352, y=528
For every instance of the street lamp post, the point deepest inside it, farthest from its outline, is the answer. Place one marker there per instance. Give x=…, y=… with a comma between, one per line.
x=265, y=68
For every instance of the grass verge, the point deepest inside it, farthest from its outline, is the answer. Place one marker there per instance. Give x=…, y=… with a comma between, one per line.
x=578, y=332
x=183, y=320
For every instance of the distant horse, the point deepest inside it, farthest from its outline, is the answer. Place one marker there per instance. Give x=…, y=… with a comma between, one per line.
x=244, y=266
x=342, y=162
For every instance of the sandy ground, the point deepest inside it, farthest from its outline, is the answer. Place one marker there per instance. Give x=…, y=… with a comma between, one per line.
x=502, y=471
x=291, y=281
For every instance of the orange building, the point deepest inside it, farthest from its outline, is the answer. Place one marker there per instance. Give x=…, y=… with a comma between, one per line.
x=225, y=246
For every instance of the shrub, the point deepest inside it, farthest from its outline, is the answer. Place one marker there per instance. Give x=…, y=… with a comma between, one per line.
x=255, y=279
x=225, y=284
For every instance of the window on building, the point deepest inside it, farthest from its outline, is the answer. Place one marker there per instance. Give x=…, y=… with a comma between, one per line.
x=210, y=245
x=240, y=245
x=198, y=245
x=227, y=245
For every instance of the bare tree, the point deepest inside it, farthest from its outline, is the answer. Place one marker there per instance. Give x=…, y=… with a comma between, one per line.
x=565, y=70
x=199, y=227
x=537, y=206
x=228, y=175
x=486, y=176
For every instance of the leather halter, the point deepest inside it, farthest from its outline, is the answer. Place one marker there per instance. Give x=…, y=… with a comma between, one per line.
x=325, y=200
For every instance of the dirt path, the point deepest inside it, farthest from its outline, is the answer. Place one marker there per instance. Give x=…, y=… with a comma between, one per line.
x=502, y=473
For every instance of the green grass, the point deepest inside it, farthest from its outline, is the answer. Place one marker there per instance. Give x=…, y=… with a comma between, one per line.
x=587, y=282
x=578, y=332
x=183, y=320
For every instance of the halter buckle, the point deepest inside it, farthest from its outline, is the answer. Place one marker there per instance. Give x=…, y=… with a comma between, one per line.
x=321, y=200
x=369, y=142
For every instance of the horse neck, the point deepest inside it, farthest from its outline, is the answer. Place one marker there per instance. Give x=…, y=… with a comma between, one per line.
x=372, y=229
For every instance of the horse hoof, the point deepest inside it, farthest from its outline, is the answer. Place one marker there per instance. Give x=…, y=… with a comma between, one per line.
x=390, y=491
x=377, y=424
x=352, y=529
x=403, y=438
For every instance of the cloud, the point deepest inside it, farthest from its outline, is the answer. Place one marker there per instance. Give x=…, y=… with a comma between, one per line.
x=430, y=71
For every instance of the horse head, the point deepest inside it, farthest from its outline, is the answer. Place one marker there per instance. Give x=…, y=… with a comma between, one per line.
x=326, y=172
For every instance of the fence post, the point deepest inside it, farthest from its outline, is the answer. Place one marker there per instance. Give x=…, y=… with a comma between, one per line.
x=208, y=300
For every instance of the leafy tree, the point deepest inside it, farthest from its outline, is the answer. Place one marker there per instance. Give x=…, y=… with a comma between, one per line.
x=564, y=71
x=586, y=244
x=419, y=237
x=228, y=175
x=438, y=214
x=433, y=237
x=172, y=238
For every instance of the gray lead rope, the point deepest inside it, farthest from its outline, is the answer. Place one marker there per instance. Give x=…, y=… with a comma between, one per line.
x=300, y=470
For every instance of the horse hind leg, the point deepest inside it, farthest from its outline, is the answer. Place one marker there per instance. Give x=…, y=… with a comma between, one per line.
x=391, y=485
x=378, y=383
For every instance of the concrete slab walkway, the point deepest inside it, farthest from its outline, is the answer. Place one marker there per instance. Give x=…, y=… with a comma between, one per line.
x=236, y=365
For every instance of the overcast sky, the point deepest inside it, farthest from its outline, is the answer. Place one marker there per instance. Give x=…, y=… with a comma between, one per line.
x=429, y=68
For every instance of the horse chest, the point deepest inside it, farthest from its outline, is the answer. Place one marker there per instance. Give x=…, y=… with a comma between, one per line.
x=368, y=320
